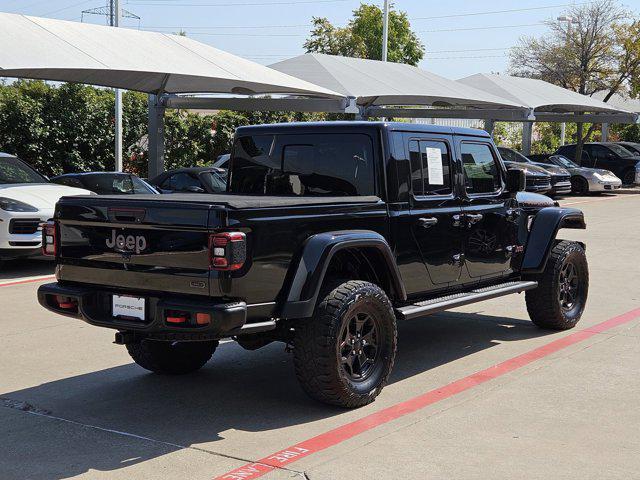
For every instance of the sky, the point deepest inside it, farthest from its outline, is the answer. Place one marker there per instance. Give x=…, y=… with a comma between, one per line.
x=462, y=37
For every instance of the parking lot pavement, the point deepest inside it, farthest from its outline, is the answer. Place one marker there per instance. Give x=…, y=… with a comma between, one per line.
x=75, y=405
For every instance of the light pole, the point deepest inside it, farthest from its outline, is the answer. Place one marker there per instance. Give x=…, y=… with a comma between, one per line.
x=385, y=30
x=570, y=21
x=116, y=17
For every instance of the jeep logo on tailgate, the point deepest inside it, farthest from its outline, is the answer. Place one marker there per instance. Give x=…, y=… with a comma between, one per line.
x=126, y=243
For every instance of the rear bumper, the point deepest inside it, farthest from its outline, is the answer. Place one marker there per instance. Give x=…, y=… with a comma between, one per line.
x=94, y=307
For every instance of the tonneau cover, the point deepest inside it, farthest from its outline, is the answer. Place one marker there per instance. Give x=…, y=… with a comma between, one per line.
x=235, y=201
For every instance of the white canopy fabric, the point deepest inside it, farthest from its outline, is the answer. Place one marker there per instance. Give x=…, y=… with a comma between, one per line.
x=149, y=62
x=374, y=82
x=541, y=96
x=622, y=102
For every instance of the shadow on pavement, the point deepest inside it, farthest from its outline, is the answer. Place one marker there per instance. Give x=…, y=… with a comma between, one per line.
x=244, y=391
x=11, y=269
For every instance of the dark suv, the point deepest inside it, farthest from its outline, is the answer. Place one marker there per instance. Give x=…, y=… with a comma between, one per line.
x=328, y=234
x=560, y=177
x=609, y=156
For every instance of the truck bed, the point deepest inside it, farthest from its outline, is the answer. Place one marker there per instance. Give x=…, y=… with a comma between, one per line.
x=238, y=201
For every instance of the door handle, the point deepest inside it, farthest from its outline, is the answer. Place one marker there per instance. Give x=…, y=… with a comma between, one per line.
x=457, y=220
x=427, y=222
x=457, y=259
x=474, y=218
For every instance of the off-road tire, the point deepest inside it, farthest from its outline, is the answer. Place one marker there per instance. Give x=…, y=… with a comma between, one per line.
x=579, y=186
x=171, y=358
x=544, y=303
x=318, y=362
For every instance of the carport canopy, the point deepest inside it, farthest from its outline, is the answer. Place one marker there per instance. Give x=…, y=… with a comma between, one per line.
x=374, y=84
x=150, y=62
x=550, y=103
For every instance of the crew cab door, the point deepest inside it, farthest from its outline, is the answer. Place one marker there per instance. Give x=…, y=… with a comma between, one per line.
x=489, y=213
x=435, y=208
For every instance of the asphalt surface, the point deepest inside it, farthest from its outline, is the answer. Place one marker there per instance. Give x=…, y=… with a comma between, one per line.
x=73, y=405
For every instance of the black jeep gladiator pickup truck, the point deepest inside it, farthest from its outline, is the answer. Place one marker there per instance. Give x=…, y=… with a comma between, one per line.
x=329, y=233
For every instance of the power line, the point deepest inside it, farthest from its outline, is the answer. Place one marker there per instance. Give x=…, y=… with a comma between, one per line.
x=481, y=28
x=250, y=4
x=494, y=12
x=65, y=8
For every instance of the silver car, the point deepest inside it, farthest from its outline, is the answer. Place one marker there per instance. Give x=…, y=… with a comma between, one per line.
x=585, y=180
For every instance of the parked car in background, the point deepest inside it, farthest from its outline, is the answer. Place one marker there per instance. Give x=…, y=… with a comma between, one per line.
x=633, y=147
x=560, y=178
x=537, y=179
x=610, y=156
x=106, y=183
x=585, y=180
x=27, y=199
x=222, y=161
x=192, y=180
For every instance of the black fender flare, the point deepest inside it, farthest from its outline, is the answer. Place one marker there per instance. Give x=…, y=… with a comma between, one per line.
x=316, y=256
x=543, y=233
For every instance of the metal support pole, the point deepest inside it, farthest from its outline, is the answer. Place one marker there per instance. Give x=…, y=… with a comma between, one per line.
x=605, y=132
x=563, y=133
x=489, y=125
x=527, y=134
x=385, y=30
x=155, y=136
x=116, y=13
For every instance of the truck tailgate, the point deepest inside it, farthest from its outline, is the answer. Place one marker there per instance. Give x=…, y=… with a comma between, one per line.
x=136, y=244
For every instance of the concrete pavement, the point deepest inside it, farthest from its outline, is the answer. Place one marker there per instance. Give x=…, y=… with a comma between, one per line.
x=73, y=404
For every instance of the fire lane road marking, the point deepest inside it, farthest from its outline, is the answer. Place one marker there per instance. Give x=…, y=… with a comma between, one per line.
x=340, y=434
x=20, y=281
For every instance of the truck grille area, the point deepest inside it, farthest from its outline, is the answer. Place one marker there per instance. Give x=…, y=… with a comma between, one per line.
x=27, y=226
x=560, y=179
x=538, y=182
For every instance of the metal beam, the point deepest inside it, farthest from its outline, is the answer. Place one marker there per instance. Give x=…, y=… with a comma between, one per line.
x=605, y=132
x=587, y=117
x=527, y=134
x=155, y=137
x=249, y=104
x=515, y=115
x=489, y=125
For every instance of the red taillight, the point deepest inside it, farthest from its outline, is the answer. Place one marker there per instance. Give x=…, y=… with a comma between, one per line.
x=66, y=303
x=227, y=250
x=49, y=239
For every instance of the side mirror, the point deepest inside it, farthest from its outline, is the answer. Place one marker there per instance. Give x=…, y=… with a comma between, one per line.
x=516, y=181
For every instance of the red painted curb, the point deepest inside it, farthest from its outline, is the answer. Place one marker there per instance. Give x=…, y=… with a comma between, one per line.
x=31, y=280
x=345, y=432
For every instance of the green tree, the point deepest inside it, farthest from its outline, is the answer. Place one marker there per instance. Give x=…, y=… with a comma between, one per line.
x=598, y=54
x=362, y=37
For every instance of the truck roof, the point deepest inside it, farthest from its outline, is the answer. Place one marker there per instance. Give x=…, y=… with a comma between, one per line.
x=360, y=126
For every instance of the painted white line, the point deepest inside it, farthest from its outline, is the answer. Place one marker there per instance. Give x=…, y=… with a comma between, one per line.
x=18, y=281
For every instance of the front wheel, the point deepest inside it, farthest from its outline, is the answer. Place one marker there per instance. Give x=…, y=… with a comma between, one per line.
x=561, y=296
x=173, y=358
x=579, y=186
x=344, y=354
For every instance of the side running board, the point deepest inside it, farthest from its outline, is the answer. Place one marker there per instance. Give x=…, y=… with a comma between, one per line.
x=447, y=302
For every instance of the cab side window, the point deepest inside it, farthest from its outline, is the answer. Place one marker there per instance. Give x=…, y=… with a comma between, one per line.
x=481, y=172
x=430, y=167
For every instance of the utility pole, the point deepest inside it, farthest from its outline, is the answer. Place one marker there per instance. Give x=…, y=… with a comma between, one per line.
x=570, y=21
x=116, y=19
x=385, y=30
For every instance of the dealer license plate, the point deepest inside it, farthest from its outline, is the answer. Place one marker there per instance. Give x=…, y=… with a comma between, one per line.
x=128, y=307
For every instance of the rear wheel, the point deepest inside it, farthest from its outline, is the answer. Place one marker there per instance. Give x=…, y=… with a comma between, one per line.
x=344, y=354
x=173, y=358
x=629, y=177
x=560, y=298
x=579, y=186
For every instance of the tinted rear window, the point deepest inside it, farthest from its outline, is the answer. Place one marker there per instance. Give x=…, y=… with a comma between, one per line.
x=303, y=165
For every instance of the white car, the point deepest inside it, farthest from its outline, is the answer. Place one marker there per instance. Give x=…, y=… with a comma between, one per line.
x=27, y=199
